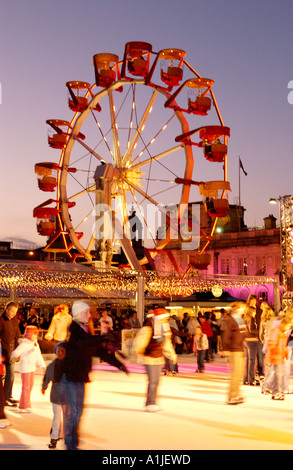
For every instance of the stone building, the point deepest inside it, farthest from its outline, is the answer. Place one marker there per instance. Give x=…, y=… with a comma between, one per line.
x=234, y=250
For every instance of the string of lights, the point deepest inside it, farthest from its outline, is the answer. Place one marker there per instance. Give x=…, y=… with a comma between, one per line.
x=24, y=276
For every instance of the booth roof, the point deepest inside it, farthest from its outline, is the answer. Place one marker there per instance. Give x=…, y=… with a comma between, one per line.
x=205, y=299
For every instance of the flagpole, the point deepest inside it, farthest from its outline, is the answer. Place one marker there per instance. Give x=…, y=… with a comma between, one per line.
x=240, y=168
x=239, y=180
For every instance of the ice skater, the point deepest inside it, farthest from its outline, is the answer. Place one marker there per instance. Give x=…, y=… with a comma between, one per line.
x=152, y=343
x=55, y=365
x=31, y=358
x=77, y=364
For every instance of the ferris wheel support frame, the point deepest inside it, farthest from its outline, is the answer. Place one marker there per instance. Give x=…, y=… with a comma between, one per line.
x=286, y=240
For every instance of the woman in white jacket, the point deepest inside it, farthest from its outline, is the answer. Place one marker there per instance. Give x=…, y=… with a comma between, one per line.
x=31, y=358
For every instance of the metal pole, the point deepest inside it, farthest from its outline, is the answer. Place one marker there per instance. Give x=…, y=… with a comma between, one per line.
x=277, y=300
x=140, y=298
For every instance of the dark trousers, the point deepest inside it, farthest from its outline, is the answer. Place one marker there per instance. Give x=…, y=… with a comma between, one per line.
x=2, y=399
x=200, y=358
x=250, y=353
x=72, y=398
x=9, y=380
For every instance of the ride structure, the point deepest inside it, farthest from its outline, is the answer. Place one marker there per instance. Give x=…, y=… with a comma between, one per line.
x=130, y=146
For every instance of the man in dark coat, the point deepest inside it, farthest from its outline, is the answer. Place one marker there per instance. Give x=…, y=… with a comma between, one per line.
x=9, y=335
x=82, y=345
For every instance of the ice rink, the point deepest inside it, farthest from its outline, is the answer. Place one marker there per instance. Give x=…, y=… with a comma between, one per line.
x=193, y=416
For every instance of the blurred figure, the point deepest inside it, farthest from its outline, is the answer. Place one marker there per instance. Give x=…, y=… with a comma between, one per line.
x=76, y=366
x=192, y=323
x=267, y=384
x=31, y=358
x=233, y=337
x=200, y=347
x=251, y=341
x=133, y=321
x=221, y=325
x=9, y=336
x=152, y=343
x=106, y=322
x=266, y=322
x=259, y=354
x=184, y=322
x=49, y=376
x=33, y=318
x=58, y=329
x=4, y=422
x=43, y=323
x=207, y=330
x=277, y=353
x=177, y=334
x=216, y=332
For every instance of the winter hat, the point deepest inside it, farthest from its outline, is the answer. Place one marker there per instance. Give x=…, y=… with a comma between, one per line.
x=78, y=307
x=162, y=312
x=63, y=344
x=30, y=331
x=160, y=325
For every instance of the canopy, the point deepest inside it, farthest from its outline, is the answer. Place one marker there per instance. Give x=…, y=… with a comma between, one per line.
x=205, y=300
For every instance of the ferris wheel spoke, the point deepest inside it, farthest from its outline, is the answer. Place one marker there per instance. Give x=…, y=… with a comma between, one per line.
x=91, y=243
x=145, y=195
x=114, y=127
x=89, y=149
x=148, y=161
x=131, y=116
x=104, y=138
x=153, y=139
x=123, y=206
x=76, y=228
x=140, y=127
x=81, y=193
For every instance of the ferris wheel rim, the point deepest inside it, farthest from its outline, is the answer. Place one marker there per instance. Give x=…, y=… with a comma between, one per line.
x=76, y=125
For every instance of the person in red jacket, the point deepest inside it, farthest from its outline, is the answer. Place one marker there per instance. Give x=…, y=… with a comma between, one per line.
x=207, y=330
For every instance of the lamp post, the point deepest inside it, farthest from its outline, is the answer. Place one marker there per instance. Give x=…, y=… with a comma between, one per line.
x=286, y=242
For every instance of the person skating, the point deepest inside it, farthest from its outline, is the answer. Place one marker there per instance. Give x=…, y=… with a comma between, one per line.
x=77, y=364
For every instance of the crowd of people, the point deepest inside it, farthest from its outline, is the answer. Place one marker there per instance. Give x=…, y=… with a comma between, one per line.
x=72, y=337
x=258, y=341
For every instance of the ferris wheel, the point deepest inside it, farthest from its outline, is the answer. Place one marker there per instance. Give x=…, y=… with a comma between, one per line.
x=128, y=153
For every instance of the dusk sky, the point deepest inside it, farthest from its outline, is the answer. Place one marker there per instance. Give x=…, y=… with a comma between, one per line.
x=245, y=46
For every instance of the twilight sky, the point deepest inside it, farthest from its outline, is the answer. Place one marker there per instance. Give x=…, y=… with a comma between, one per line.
x=245, y=46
